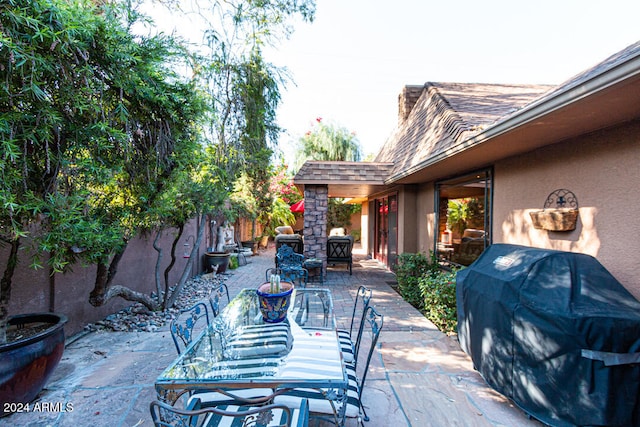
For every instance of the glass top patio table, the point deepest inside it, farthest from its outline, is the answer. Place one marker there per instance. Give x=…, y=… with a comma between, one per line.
x=240, y=350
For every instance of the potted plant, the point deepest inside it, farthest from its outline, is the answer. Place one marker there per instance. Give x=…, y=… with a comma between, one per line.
x=217, y=262
x=279, y=214
x=274, y=298
x=34, y=347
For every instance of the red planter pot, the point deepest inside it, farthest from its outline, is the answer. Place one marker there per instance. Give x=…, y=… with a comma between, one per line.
x=27, y=364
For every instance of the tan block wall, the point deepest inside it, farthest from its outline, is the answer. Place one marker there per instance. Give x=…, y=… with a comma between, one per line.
x=603, y=171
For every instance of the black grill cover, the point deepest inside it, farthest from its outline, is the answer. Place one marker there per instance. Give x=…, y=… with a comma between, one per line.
x=555, y=332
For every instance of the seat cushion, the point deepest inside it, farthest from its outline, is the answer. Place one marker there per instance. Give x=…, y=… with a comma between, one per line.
x=277, y=417
x=299, y=413
x=317, y=402
x=346, y=346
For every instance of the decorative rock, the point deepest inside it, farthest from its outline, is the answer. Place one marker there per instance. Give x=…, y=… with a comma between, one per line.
x=137, y=318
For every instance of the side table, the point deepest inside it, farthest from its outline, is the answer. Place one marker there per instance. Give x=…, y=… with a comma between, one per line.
x=315, y=265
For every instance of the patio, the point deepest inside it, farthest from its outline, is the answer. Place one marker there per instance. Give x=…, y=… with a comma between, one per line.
x=419, y=377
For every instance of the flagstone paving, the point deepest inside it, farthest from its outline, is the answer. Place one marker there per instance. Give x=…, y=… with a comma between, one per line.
x=419, y=376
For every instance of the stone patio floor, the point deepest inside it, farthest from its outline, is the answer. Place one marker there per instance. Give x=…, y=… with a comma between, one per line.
x=419, y=376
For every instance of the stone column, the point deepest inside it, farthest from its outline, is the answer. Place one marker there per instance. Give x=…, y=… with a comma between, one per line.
x=316, y=203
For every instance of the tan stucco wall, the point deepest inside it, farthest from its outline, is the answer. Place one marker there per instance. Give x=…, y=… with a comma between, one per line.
x=407, y=236
x=31, y=288
x=424, y=218
x=603, y=171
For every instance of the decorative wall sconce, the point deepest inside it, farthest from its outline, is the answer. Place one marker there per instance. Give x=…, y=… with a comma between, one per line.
x=560, y=212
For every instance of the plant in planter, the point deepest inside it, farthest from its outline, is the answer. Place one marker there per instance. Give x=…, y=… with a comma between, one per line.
x=35, y=347
x=217, y=262
x=274, y=298
x=278, y=215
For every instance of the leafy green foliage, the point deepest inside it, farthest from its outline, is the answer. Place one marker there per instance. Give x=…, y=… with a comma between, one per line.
x=438, y=289
x=93, y=126
x=327, y=141
x=428, y=288
x=339, y=213
x=102, y=139
x=409, y=270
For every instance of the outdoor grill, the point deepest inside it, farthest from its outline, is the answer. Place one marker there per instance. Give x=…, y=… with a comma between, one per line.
x=555, y=332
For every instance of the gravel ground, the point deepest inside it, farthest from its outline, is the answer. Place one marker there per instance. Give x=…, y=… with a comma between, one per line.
x=138, y=318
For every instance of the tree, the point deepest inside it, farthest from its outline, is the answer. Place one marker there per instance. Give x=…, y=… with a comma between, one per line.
x=100, y=135
x=332, y=143
x=327, y=141
x=241, y=92
x=92, y=123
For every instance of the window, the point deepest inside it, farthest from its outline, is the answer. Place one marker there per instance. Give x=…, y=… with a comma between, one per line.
x=463, y=217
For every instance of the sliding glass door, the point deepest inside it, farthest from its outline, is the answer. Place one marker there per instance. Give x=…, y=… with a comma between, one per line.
x=463, y=217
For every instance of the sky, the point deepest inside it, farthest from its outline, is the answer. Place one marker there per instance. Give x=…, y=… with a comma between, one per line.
x=349, y=66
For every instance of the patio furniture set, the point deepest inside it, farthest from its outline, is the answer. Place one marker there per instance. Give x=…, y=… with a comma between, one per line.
x=238, y=364
x=339, y=250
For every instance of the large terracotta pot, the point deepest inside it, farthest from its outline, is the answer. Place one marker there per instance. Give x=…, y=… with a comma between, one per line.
x=27, y=364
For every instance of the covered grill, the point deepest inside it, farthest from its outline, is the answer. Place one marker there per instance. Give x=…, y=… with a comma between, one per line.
x=555, y=332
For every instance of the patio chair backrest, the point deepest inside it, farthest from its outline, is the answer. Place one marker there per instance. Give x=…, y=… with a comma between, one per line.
x=361, y=304
x=271, y=415
x=287, y=258
x=339, y=250
x=297, y=276
x=294, y=240
x=182, y=327
x=214, y=298
x=373, y=321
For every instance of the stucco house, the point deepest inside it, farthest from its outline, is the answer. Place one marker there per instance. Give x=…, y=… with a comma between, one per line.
x=492, y=154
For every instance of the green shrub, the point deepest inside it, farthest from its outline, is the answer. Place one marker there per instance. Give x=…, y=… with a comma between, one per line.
x=409, y=270
x=438, y=290
x=233, y=262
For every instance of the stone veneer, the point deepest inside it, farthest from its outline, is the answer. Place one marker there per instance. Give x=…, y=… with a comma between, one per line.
x=316, y=202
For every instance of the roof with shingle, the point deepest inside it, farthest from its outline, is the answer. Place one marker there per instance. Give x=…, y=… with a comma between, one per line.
x=365, y=176
x=364, y=172
x=616, y=60
x=437, y=121
x=446, y=114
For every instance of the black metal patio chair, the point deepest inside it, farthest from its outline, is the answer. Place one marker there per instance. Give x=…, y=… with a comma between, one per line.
x=258, y=413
